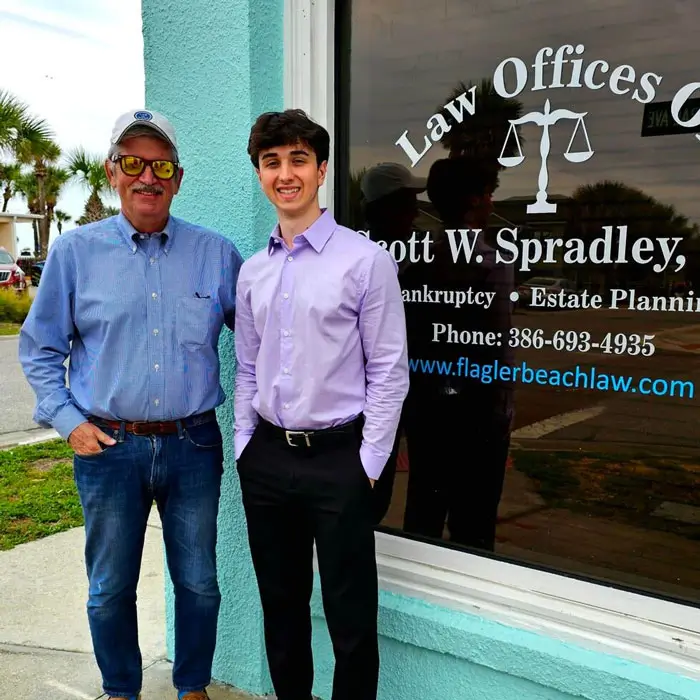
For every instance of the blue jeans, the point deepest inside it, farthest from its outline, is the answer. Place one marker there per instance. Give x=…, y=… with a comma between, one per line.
x=182, y=474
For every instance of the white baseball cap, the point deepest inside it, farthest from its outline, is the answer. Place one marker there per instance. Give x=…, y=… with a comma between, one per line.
x=386, y=178
x=147, y=118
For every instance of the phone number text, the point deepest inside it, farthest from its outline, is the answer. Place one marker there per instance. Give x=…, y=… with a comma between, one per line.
x=581, y=341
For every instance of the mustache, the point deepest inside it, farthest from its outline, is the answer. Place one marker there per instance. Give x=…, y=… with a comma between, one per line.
x=148, y=189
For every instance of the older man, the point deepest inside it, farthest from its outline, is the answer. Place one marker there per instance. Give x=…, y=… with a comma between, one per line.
x=137, y=302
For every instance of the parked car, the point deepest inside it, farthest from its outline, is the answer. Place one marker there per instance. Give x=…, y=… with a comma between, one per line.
x=35, y=272
x=551, y=285
x=11, y=274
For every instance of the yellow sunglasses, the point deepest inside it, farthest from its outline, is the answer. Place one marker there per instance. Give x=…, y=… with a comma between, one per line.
x=133, y=166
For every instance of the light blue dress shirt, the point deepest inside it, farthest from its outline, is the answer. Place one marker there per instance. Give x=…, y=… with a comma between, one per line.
x=138, y=316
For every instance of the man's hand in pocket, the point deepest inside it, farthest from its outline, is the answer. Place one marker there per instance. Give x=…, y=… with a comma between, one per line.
x=87, y=440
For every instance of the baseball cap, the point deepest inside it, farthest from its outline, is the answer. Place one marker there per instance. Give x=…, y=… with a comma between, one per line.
x=386, y=178
x=144, y=118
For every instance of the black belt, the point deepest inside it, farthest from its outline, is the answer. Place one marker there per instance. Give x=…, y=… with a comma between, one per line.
x=165, y=427
x=313, y=438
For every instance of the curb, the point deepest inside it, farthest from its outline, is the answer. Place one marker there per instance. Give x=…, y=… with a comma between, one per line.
x=19, y=440
x=9, y=337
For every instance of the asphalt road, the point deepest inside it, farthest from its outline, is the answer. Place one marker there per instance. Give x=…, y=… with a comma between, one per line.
x=615, y=418
x=17, y=404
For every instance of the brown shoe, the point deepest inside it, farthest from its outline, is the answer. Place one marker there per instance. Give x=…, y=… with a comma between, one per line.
x=195, y=695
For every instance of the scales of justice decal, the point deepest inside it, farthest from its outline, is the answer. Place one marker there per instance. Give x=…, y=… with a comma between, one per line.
x=546, y=118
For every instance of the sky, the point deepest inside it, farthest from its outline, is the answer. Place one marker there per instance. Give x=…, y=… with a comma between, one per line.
x=78, y=64
x=408, y=55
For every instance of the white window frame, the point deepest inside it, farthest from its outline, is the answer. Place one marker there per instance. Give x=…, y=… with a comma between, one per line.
x=642, y=628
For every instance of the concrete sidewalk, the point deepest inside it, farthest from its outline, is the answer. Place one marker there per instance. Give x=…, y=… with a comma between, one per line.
x=45, y=647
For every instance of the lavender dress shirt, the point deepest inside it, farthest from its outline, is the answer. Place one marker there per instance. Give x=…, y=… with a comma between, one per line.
x=321, y=338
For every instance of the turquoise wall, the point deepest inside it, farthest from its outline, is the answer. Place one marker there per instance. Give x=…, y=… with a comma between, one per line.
x=428, y=652
x=212, y=66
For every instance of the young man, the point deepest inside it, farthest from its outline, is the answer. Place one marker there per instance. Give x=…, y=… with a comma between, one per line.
x=142, y=339
x=322, y=375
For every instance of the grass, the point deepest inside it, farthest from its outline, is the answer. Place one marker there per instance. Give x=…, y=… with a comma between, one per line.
x=10, y=328
x=13, y=307
x=627, y=489
x=37, y=493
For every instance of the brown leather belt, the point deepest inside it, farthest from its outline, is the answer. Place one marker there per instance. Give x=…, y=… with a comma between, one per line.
x=154, y=427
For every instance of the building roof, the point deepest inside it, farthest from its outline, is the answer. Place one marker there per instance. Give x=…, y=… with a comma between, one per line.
x=19, y=218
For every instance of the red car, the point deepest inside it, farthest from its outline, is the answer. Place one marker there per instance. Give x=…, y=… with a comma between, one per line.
x=11, y=275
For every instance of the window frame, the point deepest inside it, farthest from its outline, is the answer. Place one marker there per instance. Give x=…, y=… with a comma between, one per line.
x=606, y=618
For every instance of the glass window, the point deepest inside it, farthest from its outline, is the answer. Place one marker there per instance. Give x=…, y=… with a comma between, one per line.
x=532, y=167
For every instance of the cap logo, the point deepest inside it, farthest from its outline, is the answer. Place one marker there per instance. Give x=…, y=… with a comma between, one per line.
x=144, y=116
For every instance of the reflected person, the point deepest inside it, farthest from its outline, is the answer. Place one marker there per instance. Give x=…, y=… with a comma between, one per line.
x=458, y=427
x=390, y=198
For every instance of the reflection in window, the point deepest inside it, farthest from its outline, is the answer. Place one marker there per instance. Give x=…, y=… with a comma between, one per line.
x=532, y=168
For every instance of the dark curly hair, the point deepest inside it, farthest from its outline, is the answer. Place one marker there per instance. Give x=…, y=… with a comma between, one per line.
x=273, y=129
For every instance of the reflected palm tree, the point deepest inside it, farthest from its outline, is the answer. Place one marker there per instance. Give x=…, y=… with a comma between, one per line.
x=483, y=136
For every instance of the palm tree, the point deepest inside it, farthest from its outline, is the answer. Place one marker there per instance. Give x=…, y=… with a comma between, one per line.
x=56, y=178
x=12, y=112
x=27, y=185
x=33, y=145
x=61, y=218
x=9, y=172
x=89, y=171
x=485, y=135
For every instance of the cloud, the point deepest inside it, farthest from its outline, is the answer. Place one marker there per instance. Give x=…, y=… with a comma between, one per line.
x=62, y=76
x=43, y=26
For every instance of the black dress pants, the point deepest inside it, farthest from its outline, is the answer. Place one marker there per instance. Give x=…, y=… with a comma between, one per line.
x=292, y=497
x=457, y=451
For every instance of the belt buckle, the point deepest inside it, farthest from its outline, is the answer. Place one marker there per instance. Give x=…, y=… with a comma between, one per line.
x=135, y=430
x=289, y=433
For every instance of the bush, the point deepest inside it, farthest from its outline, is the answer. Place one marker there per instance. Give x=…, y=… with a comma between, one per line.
x=14, y=307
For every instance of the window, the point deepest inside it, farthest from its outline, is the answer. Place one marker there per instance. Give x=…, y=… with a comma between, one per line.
x=549, y=256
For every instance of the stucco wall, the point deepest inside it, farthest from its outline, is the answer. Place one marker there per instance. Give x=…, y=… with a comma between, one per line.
x=212, y=66
x=429, y=652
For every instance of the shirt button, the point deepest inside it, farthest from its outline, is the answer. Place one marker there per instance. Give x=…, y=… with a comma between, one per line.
x=156, y=367
x=285, y=333
x=286, y=405
x=155, y=331
x=285, y=295
x=286, y=370
x=154, y=295
x=290, y=258
x=152, y=261
x=156, y=402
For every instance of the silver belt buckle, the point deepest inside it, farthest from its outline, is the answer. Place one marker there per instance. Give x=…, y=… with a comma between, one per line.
x=289, y=433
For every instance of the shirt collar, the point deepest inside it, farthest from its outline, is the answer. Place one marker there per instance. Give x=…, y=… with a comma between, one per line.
x=129, y=233
x=317, y=235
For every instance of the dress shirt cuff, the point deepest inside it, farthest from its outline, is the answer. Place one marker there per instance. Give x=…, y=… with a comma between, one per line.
x=67, y=420
x=240, y=442
x=372, y=461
